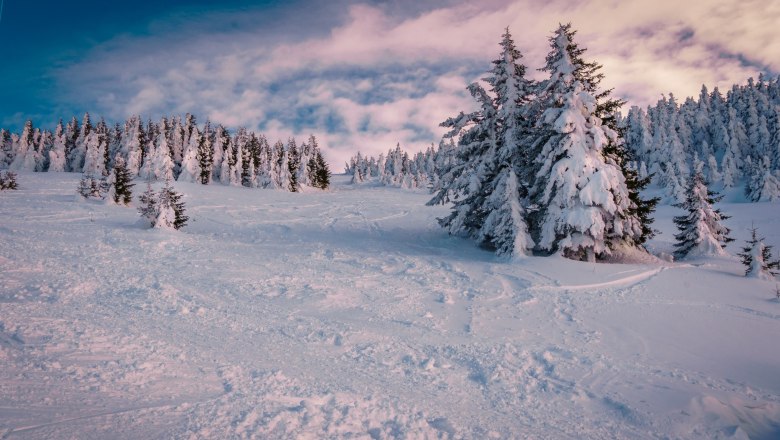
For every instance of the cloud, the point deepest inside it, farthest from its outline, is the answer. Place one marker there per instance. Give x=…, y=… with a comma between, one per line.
x=374, y=75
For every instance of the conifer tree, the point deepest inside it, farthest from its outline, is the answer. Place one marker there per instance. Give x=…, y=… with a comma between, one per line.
x=163, y=210
x=171, y=207
x=8, y=180
x=122, y=181
x=189, y=165
x=248, y=167
x=218, y=149
x=158, y=165
x=166, y=215
x=24, y=153
x=700, y=231
x=293, y=163
x=148, y=206
x=6, y=148
x=264, y=165
x=757, y=258
x=205, y=155
x=358, y=167
x=131, y=146
x=580, y=189
x=178, y=141
x=763, y=185
x=91, y=187
x=279, y=167
x=115, y=143
x=308, y=152
x=489, y=198
x=57, y=153
x=71, y=135
x=321, y=177
x=237, y=162
x=94, y=156
x=104, y=145
x=85, y=186
x=79, y=151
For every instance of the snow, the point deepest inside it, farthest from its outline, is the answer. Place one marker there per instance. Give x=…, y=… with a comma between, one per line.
x=350, y=313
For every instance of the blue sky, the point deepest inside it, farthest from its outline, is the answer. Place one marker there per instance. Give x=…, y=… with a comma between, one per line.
x=359, y=74
x=41, y=38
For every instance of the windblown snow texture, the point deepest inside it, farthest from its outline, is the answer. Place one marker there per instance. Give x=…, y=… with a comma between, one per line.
x=352, y=314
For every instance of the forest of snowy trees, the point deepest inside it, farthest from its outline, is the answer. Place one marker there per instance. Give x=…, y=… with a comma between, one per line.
x=174, y=148
x=397, y=168
x=732, y=140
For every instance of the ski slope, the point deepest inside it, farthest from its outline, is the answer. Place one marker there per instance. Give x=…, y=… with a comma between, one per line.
x=351, y=314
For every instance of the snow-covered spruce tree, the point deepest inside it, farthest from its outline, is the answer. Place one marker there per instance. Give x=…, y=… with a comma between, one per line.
x=237, y=165
x=280, y=170
x=122, y=181
x=321, y=176
x=85, y=186
x=79, y=151
x=701, y=232
x=91, y=187
x=636, y=181
x=757, y=258
x=616, y=151
x=358, y=175
x=475, y=131
x=8, y=180
x=25, y=158
x=190, y=165
x=163, y=210
x=246, y=144
x=158, y=165
x=763, y=186
x=264, y=170
x=171, y=210
x=114, y=144
x=442, y=162
x=293, y=163
x=57, y=152
x=581, y=192
x=218, y=148
x=94, y=157
x=104, y=144
x=6, y=149
x=228, y=157
x=489, y=199
x=205, y=154
x=131, y=146
x=148, y=206
x=308, y=151
x=640, y=209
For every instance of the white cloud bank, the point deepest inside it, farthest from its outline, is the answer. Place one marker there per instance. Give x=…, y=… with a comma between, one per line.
x=377, y=78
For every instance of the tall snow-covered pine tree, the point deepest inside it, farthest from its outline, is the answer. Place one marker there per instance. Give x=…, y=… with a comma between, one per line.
x=700, y=231
x=581, y=192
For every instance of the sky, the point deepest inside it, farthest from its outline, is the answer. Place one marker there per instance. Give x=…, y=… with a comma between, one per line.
x=359, y=74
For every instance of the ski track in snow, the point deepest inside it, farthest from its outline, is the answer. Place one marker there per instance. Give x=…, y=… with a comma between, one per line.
x=351, y=314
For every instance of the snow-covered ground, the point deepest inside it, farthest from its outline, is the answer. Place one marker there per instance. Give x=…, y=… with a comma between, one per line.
x=351, y=314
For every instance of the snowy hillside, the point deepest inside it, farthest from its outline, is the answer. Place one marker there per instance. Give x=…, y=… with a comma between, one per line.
x=352, y=314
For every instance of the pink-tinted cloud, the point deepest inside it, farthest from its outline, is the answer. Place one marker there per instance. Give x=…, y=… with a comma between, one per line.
x=378, y=78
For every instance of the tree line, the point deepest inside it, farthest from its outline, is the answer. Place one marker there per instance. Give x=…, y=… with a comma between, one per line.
x=176, y=148
x=732, y=139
